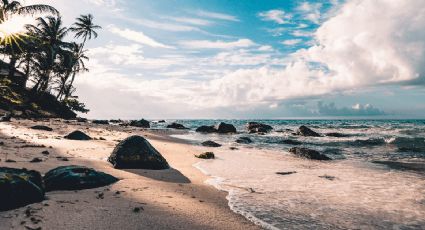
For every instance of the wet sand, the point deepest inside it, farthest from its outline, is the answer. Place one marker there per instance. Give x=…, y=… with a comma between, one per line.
x=176, y=198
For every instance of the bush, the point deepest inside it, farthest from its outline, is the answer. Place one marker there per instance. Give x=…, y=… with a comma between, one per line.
x=75, y=105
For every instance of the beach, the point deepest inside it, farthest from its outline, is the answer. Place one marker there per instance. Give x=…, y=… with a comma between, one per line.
x=175, y=198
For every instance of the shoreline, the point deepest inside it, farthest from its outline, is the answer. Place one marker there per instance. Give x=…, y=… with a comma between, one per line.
x=175, y=198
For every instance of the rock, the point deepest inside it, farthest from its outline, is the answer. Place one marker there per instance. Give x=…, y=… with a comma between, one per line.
x=255, y=127
x=78, y=135
x=42, y=127
x=291, y=142
x=244, y=140
x=206, y=129
x=45, y=152
x=233, y=148
x=100, y=122
x=6, y=117
x=206, y=155
x=137, y=152
x=140, y=123
x=309, y=154
x=176, y=126
x=75, y=177
x=337, y=135
x=19, y=187
x=81, y=119
x=36, y=160
x=307, y=132
x=161, y=121
x=210, y=144
x=226, y=128
x=286, y=173
x=115, y=121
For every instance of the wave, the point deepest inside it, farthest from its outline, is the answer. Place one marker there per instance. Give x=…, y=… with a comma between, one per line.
x=415, y=144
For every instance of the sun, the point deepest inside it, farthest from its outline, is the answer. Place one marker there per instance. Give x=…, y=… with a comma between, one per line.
x=12, y=29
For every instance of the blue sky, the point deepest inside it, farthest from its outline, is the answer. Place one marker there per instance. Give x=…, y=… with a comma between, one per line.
x=253, y=59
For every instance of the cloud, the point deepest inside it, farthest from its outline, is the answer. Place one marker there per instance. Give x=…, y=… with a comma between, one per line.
x=206, y=44
x=291, y=42
x=310, y=11
x=136, y=36
x=192, y=21
x=278, y=16
x=355, y=110
x=216, y=15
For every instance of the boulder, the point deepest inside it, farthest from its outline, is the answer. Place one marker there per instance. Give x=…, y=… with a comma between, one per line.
x=140, y=123
x=137, y=152
x=6, y=117
x=161, y=121
x=206, y=155
x=210, y=144
x=42, y=127
x=309, y=154
x=244, y=140
x=206, y=129
x=75, y=177
x=176, y=126
x=226, y=128
x=78, y=135
x=255, y=127
x=307, y=132
x=100, y=122
x=19, y=187
x=291, y=142
x=81, y=119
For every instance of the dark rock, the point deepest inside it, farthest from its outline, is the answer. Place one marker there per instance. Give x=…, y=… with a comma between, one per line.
x=176, y=126
x=81, y=119
x=210, y=144
x=286, y=173
x=19, y=187
x=10, y=161
x=337, y=135
x=244, y=140
x=76, y=178
x=6, y=117
x=291, y=142
x=161, y=121
x=327, y=177
x=100, y=122
x=307, y=132
x=45, y=153
x=78, y=135
x=309, y=154
x=255, y=127
x=206, y=155
x=411, y=166
x=36, y=160
x=226, y=128
x=206, y=129
x=233, y=148
x=140, y=123
x=115, y=121
x=42, y=127
x=137, y=152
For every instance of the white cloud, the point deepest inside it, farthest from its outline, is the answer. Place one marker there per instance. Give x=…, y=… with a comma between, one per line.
x=265, y=48
x=311, y=11
x=278, y=16
x=192, y=21
x=291, y=42
x=216, y=15
x=206, y=44
x=136, y=36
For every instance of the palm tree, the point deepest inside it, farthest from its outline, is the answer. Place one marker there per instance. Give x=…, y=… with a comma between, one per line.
x=8, y=8
x=85, y=28
x=50, y=34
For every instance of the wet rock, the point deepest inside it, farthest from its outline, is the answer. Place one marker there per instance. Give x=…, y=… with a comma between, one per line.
x=291, y=142
x=309, y=154
x=255, y=127
x=140, y=123
x=19, y=187
x=411, y=166
x=42, y=127
x=206, y=155
x=226, y=128
x=176, y=126
x=75, y=177
x=36, y=160
x=206, y=129
x=307, y=132
x=6, y=117
x=137, y=152
x=210, y=144
x=337, y=135
x=161, y=121
x=78, y=135
x=244, y=140
x=100, y=122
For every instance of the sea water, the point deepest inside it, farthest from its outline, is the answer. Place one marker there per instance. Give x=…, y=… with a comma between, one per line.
x=359, y=189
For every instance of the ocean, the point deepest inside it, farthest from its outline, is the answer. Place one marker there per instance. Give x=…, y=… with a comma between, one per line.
x=376, y=179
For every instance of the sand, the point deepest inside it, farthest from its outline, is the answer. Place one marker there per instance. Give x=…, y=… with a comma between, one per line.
x=176, y=198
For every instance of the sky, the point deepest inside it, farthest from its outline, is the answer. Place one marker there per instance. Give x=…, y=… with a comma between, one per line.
x=252, y=59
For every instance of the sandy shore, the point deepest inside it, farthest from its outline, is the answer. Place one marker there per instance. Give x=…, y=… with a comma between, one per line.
x=176, y=198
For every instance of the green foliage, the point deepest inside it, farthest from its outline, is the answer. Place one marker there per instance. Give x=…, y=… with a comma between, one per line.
x=75, y=105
